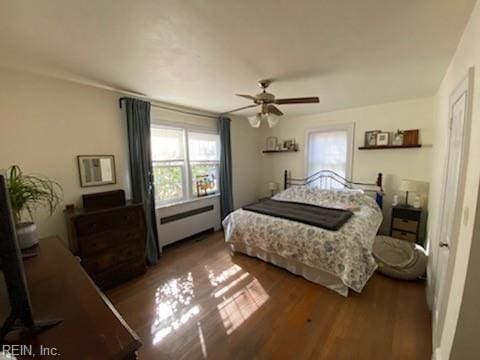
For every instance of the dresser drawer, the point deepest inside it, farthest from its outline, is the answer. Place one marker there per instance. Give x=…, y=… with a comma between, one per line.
x=102, y=221
x=404, y=235
x=91, y=245
x=405, y=225
x=113, y=259
x=407, y=213
x=120, y=273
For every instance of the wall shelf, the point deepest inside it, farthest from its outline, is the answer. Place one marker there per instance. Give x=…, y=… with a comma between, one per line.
x=384, y=147
x=278, y=151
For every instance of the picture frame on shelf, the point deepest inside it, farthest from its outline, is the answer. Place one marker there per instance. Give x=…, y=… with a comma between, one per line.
x=371, y=137
x=383, y=139
x=272, y=143
x=289, y=144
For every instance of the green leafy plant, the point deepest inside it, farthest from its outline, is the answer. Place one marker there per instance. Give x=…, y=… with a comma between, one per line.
x=28, y=192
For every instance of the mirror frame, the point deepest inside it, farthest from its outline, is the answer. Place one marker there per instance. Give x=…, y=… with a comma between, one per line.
x=83, y=184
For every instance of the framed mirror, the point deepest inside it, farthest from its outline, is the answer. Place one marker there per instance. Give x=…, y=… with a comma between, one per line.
x=96, y=170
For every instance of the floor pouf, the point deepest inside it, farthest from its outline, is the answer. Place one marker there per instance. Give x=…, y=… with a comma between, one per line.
x=399, y=259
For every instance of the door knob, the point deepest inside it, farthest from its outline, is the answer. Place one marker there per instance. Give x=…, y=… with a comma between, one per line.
x=443, y=244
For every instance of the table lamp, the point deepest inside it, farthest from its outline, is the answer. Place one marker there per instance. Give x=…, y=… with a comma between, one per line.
x=272, y=186
x=408, y=186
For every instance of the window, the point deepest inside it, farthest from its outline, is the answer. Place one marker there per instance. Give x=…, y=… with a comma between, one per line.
x=204, y=158
x=330, y=148
x=168, y=156
x=185, y=163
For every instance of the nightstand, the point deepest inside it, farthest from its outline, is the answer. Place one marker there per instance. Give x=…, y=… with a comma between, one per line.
x=405, y=223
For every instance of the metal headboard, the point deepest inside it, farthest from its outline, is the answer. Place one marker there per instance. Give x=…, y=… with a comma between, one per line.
x=327, y=179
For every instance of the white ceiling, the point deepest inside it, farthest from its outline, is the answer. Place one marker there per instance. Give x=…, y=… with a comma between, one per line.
x=199, y=53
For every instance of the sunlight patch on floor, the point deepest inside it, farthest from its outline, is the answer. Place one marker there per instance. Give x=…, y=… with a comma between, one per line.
x=171, y=302
x=230, y=285
x=202, y=341
x=236, y=309
x=216, y=280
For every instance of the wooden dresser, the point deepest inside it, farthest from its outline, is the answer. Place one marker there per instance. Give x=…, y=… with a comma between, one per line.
x=60, y=289
x=406, y=223
x=110, y=242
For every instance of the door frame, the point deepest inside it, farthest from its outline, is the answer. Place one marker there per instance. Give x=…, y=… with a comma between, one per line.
x=439, y=306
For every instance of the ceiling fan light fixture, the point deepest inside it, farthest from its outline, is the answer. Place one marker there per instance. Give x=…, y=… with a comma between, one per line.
x=255, y=121
x=272, y=120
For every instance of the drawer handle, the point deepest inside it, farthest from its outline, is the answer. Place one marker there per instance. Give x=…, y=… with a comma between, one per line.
x=405, y=220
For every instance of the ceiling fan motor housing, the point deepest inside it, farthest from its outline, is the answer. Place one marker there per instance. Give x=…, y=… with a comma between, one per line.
x=264, y=98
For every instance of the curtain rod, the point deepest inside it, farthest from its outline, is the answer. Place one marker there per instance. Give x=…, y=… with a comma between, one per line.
x=174, y=110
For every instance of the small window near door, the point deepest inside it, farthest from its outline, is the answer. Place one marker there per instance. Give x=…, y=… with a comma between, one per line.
x=330, y=148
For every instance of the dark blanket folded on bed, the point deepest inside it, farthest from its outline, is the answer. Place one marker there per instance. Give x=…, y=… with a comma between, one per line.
x=326, y=218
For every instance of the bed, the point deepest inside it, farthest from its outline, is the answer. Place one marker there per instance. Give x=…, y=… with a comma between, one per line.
x=339, y=260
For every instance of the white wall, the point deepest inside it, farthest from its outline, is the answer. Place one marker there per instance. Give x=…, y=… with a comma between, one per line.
x=246, y=159
x=395, y=164
x=467, y=55
x=45, y=123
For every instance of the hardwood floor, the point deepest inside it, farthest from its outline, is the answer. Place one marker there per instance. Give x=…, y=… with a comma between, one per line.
x=200, y=302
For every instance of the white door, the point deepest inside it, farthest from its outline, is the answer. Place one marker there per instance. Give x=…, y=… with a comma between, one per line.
x=450, y=198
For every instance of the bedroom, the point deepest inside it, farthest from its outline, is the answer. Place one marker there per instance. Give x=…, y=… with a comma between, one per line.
x=376, y=66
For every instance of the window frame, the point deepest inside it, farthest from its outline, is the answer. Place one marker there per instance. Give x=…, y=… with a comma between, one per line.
x=187, y=182
x=349, y=128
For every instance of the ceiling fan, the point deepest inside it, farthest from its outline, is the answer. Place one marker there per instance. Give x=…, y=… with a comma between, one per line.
x=267, y=101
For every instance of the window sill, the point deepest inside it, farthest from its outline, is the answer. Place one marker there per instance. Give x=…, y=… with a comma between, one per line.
x=182, y=202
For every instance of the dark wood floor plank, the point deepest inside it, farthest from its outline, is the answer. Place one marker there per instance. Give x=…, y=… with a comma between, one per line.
x=202, y=302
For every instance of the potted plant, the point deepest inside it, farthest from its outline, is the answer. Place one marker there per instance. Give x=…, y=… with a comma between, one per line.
x=27, y=193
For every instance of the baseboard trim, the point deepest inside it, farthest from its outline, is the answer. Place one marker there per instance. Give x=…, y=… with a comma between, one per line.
x=437, y=355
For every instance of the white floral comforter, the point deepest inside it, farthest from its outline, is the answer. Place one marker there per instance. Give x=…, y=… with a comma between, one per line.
x=346, y=253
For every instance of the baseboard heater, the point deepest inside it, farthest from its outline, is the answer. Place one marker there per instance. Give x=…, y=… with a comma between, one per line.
x=175, y=224
x=185, y=214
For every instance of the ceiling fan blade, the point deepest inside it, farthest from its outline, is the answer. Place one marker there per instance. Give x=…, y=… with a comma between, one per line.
x=272, y=109
x=250, y=97
x=242, y=108
x=303, y=100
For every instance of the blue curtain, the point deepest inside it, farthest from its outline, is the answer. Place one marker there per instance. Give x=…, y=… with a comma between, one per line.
x=226, y=193
x=141, y=172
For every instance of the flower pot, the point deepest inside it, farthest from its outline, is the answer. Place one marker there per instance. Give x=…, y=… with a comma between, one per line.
x=27, y=235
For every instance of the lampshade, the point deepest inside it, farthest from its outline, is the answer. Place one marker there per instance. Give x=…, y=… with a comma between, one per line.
x=255, y=121
x=408, y=185
x=272, y=120
x=272, y=186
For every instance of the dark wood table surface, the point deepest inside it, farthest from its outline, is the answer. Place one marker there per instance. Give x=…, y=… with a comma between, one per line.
x=60, y=288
